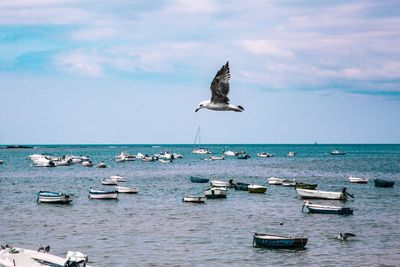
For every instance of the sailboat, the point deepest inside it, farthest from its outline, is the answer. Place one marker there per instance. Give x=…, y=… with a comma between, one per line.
x=199, y=149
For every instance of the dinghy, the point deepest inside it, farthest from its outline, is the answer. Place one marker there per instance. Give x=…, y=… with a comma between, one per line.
x=109, y=181
x=317, y=194
x=254, y=188
x=278, y=242
x=102, y=194
x=383, y=183
x=216, y=192
x=118, y=178
x=194, y=199
x=53, y=197
x=358, y=180
x=325, y=209
x=127, y=190
x=275, y=181
x=194, y=179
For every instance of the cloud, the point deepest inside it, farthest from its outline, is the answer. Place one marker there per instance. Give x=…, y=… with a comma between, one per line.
x=265, y=47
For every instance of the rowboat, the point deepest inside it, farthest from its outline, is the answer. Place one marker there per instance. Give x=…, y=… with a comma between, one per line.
x=53, y=197
x=317, y=194
x=12, y=256
x=336, y=152
x=275, y=181
x=358, y=180
x=194, y=179
x=216, y=192
x=383, y=183
x=118, y=178
x=264, y=155
x=315, y=208
x=193, y=199
x=254, y=188
x=289, y=183
x=306, y=185
x=242, y=186
x=216, y=183
x=278, y=242
x=127, y=190
x=102, y=194
x=109, y=181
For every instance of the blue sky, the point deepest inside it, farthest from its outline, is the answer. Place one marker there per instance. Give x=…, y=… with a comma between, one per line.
x=134, y=71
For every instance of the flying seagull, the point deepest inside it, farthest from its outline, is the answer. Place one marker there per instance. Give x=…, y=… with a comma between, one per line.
x=344, y=236
x=219, y=93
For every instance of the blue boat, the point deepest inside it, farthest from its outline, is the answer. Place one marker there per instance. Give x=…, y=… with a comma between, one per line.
x=279, y=242
x=194, y=179
x=242, y=186
x=315, y=208
x=53, y=197
x=383, y=183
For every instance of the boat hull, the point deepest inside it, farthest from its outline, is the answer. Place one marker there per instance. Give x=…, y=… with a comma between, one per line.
x=100, y=194
x=306, y=186
x=194, y=199
x=216, y=193
x=328, y=209
x=53, y=198
x=257, y=189
x=242, y=186
x=279, y=242
x=383, y=183
x=316, y=194
x=199, y=180
x=126, y=190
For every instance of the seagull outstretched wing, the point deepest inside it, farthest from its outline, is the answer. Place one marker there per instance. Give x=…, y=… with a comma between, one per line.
x=220, y=85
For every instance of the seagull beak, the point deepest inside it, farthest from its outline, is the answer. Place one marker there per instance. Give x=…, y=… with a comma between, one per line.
x=197, y=109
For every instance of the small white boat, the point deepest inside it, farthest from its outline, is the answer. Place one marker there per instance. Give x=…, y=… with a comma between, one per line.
x=62, y=162
x=1, y=162
x=118, y=178
x=177, y=156
x=289, y=183
x=201, y=151
x=43, y=161
x=230, y=153
x=127, y=190
x=317, y=194
x=264, y=155
x=53, y=197
x=275, y=181
x=254, y=188
x=358, y=180
x=336, y=152
x=125, y=156
x=148, y=158
x=20, y=257
x=101, y=165
x=215, y=158
x=87, y=163
x=102, y=194
x=216, y=192
x=316, y=208
x=194, y=199
x=140, y=155
x=291, y=154
x=165, y=160
x=216, y=183
x=109, y=181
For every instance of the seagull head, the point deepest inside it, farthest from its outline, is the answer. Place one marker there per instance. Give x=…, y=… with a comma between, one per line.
x=203, y=104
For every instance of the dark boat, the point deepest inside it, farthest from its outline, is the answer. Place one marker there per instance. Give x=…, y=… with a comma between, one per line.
x=383, y=183
x=18, y=146
x=278, y=242
x=306, y=186
x=242, y=186
x=336, y=152
x=243, y=156
x=194, y=179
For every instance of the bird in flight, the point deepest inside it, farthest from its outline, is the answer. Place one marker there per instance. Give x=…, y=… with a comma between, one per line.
x=219, y=93
x=344, y=236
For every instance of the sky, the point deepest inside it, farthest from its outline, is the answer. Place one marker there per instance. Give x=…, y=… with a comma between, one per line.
x=133, y=72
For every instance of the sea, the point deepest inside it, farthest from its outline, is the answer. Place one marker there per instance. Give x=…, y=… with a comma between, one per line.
x=155, y=228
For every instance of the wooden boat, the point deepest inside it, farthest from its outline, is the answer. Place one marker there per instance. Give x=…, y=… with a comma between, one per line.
x=242, y=186
x=289, y=183
x=118, y=178
x=336, y=152
x=317, y=194
x=358, y=180
x=127, y=190
x=315, y=208
x=216, y=183
x=194, y=199
x=216, y=192
x=109, y=181
x=102, y=194
x=275, y=181
x=383, y=183
x=254, y=188
x=53, y=197
x=306, y=186
x=12, y=256
x=200, y=180
x=278, y=242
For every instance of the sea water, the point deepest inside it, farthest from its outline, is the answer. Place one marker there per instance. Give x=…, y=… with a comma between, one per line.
x=155, y=228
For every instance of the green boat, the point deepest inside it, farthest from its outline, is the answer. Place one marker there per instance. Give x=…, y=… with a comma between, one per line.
x=306, y=186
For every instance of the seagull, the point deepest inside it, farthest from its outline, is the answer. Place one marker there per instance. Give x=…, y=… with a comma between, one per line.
x=344, y=236
x=219, y=93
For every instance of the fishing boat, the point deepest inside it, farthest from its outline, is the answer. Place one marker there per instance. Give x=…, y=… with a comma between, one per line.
x=275, y=181
x=264, y=155
x=291, y=154
x=216, y=192
x=127, y=190
x=315, y=208
x=53, y=197
x=289, y=183
x=306, y=185
x=241, y=186
x=102, y=194
x=383, y=183
x=336, y=152
x=200, y=180
x=317, y=194
x=13, y=256
x=118, y=178
x=199, y=149
x=109, y=181
x=254, y=188
x=278, y=242
x=194, y=199
x=216, y=183
x=358, y=180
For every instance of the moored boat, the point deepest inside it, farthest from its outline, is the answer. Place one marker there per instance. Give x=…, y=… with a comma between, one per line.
x=241, y=186
x=264, y=155
x=306, y=185
x=278, y=242
x=325, y=209
x=87, y=163
x=336, y=152
x=289, y=183
x=194, y=199
x=383, y=183
x=358, y=180
x=127, y=190
x=216, y=183
x=216, y=192
x=101, y=165
x=229, y=153
x=102, y=194
x=109, y=181
x=53, y=197
x=275, y=181
x=317, y=194
x=243, y=156
x=194, y=179
x=291, y=154
x=118, y=178
x=254, y=188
